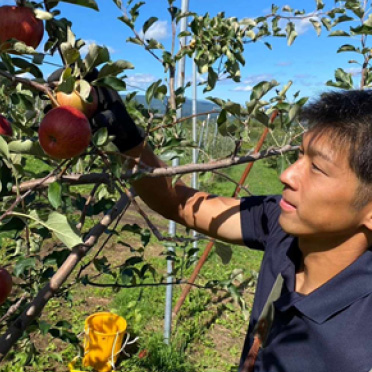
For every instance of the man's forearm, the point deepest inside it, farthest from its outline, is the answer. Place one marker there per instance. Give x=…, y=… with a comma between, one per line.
x=158, y=192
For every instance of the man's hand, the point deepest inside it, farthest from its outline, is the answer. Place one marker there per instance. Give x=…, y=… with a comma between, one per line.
x=111, y=114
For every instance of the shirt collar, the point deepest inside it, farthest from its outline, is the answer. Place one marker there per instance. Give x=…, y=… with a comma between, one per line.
x=345, y=288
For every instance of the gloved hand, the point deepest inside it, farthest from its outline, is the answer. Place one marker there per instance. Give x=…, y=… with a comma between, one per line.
x=111, y=114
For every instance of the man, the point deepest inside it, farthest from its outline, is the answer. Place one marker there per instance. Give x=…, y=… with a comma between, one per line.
x=313, y=303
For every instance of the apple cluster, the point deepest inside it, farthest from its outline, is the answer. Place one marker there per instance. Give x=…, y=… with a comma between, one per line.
x=64, y=131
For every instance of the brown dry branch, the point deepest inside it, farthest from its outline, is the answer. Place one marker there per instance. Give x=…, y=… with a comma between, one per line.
x=13, y=308
x=31, y=84
x=16, y=329
x=83, y=179
x=36, y=184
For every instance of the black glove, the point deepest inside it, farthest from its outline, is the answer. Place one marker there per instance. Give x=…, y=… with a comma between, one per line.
x=112, y=114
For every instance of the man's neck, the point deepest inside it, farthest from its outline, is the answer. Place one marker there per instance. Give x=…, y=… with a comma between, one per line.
x=323, y=260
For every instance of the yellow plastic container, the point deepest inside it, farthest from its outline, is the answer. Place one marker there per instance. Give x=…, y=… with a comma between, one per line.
x=104, y=333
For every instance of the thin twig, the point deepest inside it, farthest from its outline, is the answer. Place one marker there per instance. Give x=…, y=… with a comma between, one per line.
x=32, y=84
x=242, y=187
x=13, y=309
x=43, y=182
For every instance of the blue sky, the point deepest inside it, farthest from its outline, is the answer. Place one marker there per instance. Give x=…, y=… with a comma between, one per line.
x=309, y=62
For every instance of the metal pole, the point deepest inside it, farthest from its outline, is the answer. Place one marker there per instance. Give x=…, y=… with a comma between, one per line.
x=194, y=125
x=175, y=162
x=194, y=180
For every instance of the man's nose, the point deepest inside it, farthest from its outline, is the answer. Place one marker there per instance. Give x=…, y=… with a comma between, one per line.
x=291, y=175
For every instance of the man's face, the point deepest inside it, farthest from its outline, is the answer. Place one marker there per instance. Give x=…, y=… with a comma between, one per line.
x=319, y=191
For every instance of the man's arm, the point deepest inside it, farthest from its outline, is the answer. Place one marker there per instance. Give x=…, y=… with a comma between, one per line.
x=215, y=216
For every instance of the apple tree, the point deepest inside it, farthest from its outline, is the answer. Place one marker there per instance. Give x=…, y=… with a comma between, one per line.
x=47, y=146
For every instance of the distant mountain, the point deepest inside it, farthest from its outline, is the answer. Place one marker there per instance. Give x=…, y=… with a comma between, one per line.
x=201, y=105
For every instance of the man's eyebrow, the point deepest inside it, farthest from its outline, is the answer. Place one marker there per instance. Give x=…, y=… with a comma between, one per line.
x=316, y=152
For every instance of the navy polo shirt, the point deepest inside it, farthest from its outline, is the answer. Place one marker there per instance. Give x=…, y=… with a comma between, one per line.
x=329, y=330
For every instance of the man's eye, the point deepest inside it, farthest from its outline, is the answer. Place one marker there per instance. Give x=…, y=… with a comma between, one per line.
x=313, y=166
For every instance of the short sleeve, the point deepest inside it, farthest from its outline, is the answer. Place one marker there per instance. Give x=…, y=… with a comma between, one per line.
x=259, y=218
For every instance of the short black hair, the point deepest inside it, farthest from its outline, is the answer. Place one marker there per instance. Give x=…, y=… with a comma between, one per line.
x=347, y=116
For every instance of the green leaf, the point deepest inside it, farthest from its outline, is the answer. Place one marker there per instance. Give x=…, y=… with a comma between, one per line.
x=86, y=3
x=27, y=67
x=96, y=56
x=111, y=82
x=24, y=264
x=151, y=91
x=368, y=22
x=212, y=79
x=118, y=3
x=347, y=48
x=100, y=138
x=339, y=33
x=224, y=251
x=326, y=23
x=232, y=108
x=260, y=89
x=293, y=112
x=127, y=21
x=22, y=48
x=317, y=26
x=114, y=68
x=43, y=15
x=291, y=33
x=4, y=149
x=148, y=24
x=58, y=224
x=84, y=89
x=55, y=194
x=154, y=44
x=69, y=53
x=135, y=40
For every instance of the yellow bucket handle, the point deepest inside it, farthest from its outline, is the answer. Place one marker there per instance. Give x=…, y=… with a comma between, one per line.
x=127, y=342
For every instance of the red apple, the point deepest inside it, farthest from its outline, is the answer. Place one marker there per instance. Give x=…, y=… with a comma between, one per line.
x=74, y=100
x=5, y=284
x=5, y=127
x=64, y=132
x=19, y=22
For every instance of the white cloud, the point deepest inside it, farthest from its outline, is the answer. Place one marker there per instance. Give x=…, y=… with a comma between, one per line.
x=141, y=81
x=243, y=88
x=354, y=71
x=301, y=25
x=158, y=31
x=85, y=48
x=255, y=79
x=283, y=63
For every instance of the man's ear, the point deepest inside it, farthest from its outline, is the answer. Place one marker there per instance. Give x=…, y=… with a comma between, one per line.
x=367, y=221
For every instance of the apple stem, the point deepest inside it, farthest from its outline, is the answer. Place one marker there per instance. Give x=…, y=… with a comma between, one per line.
x=52, y=98
x=21, y=2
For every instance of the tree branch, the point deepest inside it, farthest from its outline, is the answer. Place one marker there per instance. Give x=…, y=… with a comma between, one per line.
x=83, y=179
x=31, y=84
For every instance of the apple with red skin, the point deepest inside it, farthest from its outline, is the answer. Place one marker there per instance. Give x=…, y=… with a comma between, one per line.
x=64, y=132
x=6, y=284
x=19, y=22
x=5, y=127
x=74, y=100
